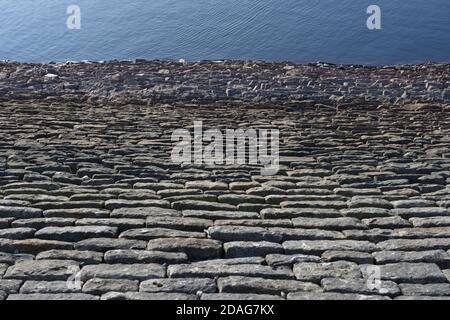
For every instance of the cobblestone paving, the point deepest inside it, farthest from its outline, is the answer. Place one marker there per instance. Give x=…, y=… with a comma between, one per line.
x=91, y=207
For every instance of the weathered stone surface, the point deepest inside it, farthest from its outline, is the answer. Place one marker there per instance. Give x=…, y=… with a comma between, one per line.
x=353, y=256
x=10, y=286
x=238, y=296
x=17, y=233
x=47, y=270
x=413, y=203
x=220, y=214
x=420, y=212
x=318, y=247
x=143, y=213
x=33, y=246
x=63, y=205
x=415, y=244
x=286, y=223
x=239, y=233
x=411, y=272
x=122, y=203
x=78, y=213
x=287, y=213
x=144, y=256
x=147, y=296
x=196, y=249
x=201, y=205
x=74, y=234
x=432, y=289
x=236, y=249
x=231, y=261
x=439, y=257
x=314, y=204
x=328, y=223
x=360, y=286
x=189, y=285
x=208, y=270
x=387, y=222
x=121, y=224
x=372, y=235
x=123, y=271
x=83, y=257
x=39, y=223
x=412, y=233
x=11, y=258
x=362, y=180
x=53, y=296
x=366, y=213
x=5, y=222
x=238, y=284
x=179, y=223
x=31, y=286
x=315, y=272
x=207, y=185
x=332, y=296
x=3, y=268
x=366, y=202
x=20, y=212
x=105, y=244
x=430, y=222
x=98, y=286
x=235, y=199
x=276, y=260
x=305, y=234
x=425, y=298
x=155, y=233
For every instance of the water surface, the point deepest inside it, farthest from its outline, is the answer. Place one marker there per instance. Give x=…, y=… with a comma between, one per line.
x=412, y=31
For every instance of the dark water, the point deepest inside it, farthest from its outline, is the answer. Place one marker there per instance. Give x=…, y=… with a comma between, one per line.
x=297, y=30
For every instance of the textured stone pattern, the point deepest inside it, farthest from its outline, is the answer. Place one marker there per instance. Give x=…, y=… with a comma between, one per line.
x=91, y=207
